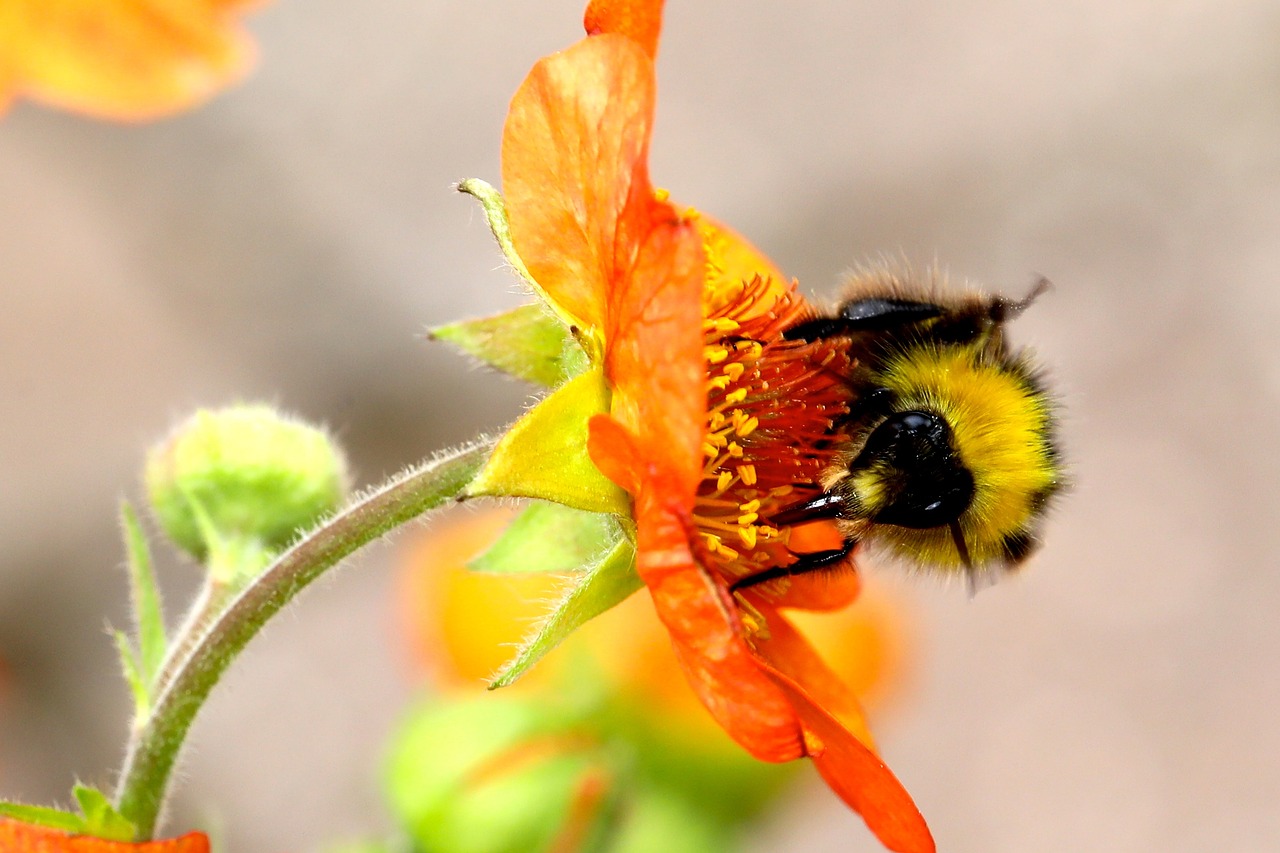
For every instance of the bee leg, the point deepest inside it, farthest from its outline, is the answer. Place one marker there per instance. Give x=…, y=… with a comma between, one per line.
x=812, y=562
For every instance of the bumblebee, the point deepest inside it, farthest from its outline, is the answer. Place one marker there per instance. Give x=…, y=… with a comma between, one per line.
x=947, y=458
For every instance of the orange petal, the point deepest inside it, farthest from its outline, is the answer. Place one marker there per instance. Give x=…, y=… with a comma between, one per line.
x=638, y=20
x=818, y=591
x=855, y=773
x=575, y=170
x=18, y=837
x=120, y=59
x=788, y=652
x=719, y=665
x=654, y=358
x=731, y=260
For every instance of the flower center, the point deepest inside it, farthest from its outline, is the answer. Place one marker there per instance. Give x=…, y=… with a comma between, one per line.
x=772, y=410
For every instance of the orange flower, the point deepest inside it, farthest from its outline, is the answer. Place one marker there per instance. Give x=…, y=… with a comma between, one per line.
x=714, y=420
x=120, y=59
x=18, y=837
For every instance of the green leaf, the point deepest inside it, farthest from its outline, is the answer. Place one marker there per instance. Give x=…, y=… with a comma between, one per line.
x=138, y=685
x=100, y=817
x=147, y=611
x=527, y=342
x=605, y=585
x=544, y=455
x=549, y=537
x=43, y=816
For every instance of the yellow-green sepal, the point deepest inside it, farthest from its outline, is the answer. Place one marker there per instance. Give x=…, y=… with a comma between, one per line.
x=549, y=537
x=544, y=455
x=528, y=342
x=101, y=819
x=495, y=212
x=600, y=588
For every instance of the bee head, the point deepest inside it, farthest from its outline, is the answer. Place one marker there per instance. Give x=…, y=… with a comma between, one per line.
x=908, y=474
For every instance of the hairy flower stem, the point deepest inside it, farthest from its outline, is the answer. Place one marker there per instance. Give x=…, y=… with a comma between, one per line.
x=156, y=741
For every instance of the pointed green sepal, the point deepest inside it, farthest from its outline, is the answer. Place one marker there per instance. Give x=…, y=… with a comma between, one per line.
x=147, y=611
x=495, y=212
x=607, y=584
x=139, y=685
x=101, y=819
x=549, y=537
x=527, y=342
x=544, y=455
x=43, y=816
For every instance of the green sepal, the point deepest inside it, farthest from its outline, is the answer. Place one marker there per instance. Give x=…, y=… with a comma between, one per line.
x=101, y=819
x=544, y=455
x=43, y=816
x=527, y=342
x=495, y=213
x=549, y=537
x=139, y=685
x=147, y=611
x=602, y=587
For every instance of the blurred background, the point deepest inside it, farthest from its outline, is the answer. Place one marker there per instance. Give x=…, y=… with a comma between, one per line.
x=292, y=240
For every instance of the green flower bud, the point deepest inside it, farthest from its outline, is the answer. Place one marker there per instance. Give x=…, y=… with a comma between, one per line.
x=242, y=481
x=501, y=774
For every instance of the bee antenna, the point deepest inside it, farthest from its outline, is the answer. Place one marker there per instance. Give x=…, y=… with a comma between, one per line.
x=957, y=536
x=1040, y=288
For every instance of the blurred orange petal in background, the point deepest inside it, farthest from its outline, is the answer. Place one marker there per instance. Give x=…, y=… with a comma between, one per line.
x=462, y=626
x=127, y=60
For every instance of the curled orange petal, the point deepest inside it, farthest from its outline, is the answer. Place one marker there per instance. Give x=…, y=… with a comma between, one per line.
x=720, y=666
x=855, y=773
x=786, y=651
x=639, y=20
x=18, y=837
x=120, y=59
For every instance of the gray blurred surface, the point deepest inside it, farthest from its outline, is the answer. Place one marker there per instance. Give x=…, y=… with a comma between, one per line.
x=292, y=240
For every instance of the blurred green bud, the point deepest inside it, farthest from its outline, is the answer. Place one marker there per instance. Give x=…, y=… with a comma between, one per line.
x=501, y=774
x=242, y=480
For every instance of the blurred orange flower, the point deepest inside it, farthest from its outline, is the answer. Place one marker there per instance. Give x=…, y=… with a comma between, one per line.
x=715, y=420
x=461, y=625
x=18, y=837
x=128, y=60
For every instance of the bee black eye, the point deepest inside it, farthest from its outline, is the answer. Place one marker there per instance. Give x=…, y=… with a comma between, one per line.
x=927, y=484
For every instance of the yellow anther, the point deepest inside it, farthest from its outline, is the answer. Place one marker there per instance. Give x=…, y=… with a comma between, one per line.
x=733, y=370
x=723, y=480
x=725, y=324
x=736, y=396
x=735, y=449
x=748, y=537
x=662, y=195
x=748, y=519
x=750, y=506
x=709, y=450
x=718, y=383
x=715, y=439
x=715, y=355
x=748, y=426
x=748, y=474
